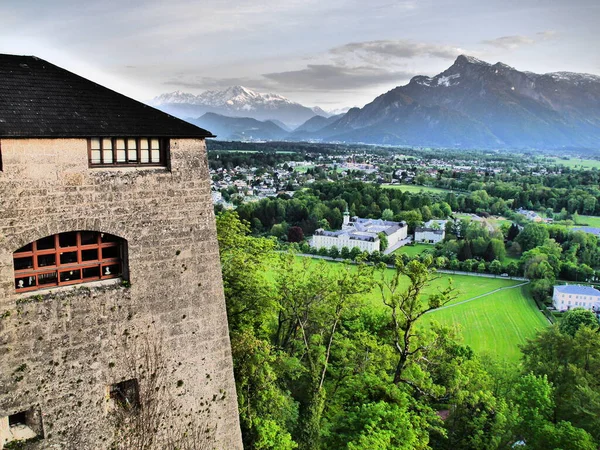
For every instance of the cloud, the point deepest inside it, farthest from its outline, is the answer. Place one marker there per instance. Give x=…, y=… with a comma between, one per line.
x=210, y=83
x=359, y=65
x=516, y=41
x=328, y=77
x=545, y=35
x=398, y=49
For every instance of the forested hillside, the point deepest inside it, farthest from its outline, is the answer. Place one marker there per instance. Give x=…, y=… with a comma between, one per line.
x=318, y=368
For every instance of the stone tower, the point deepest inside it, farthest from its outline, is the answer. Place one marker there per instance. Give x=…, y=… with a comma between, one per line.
x=112, y=314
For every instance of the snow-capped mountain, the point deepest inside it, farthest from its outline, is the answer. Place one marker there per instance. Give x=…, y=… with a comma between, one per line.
x=235, y=101
x=477, y=104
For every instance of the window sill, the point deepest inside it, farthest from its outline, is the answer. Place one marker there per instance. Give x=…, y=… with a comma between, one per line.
x=130, y=168
x=56, y=289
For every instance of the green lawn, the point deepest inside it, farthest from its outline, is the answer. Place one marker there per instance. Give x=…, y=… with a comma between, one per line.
x=590, y=221
x=302, y=169
x=495, y=324
x=412, y=250
x=577, y=163
x=279, y=152
x=414, y=188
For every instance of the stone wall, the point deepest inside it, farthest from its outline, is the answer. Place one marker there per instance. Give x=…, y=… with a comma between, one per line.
x=60, y=350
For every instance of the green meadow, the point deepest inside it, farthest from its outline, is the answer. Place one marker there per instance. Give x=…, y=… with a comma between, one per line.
x=413, y=250
x=413, y=188
x=590, y=221
x=577, y=163
x=491, y=321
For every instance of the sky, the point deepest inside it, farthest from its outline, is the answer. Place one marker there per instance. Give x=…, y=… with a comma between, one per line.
x=327, y=53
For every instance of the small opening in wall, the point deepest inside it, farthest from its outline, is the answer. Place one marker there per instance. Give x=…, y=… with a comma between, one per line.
x=21, y=426
x=125, y=394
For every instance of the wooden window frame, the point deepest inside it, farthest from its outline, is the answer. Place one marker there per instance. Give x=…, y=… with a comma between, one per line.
x=61, y=268
x=163, y=149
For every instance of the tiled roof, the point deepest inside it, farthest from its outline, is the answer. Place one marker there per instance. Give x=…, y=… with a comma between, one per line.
x=590, y=230
x=430, y=230
x=39, y=99
x=577, y=289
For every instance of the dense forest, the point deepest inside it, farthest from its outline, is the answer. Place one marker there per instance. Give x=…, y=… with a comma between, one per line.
x=317, y=367
x=539, y=252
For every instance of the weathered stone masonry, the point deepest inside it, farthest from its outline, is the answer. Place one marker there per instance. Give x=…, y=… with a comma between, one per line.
x=60, y=350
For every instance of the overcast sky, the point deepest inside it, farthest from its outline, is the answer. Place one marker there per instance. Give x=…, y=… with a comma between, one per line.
x=330, y=53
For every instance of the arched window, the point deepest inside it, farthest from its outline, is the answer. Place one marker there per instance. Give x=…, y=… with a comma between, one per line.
x=68, y=258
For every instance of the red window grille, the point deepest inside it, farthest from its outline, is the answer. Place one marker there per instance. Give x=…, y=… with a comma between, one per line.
x=68, y=258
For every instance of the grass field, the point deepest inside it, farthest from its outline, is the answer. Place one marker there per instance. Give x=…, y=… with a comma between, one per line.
x=414, y=188
x=577, y=163
x=495, y=324
x=412, y=250
x=590, y=221
x=279, y=152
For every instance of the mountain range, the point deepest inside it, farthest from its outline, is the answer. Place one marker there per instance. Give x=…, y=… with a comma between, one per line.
x=472, y=104
x=477, y=104
x=236, y=101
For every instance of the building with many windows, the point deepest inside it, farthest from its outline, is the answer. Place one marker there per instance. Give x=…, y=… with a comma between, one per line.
x=576, y=296
x=361, y=233
x=111, y=299
x=431, y=232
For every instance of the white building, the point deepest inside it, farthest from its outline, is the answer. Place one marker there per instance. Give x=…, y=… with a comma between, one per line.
x=576, y=296
x=431, y=232
x=361, y=233
x=531, y=215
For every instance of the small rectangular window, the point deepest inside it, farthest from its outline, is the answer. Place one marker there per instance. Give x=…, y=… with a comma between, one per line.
x=68, y=258
x=121, y=151
x=67, y=239
x=70, y=275
x=127, y=151
x=46, y=243
x=47, y=279
x=21, y=427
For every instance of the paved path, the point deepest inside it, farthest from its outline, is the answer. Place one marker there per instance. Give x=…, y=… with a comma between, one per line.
x=453, y=272
x=478, y=296
x=397, y=245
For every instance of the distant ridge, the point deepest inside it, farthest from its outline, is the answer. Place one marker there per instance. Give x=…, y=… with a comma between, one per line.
x=477, y=104
x=241, y=128
x=236, y=101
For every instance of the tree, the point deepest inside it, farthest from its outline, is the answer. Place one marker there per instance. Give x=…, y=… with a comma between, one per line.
x=249, y=299
x=295, y=234
x=496, y=267
x=383, y=241
x=541, y=290
x=575, y=319
x=312, y=300
x=513, y=232
x=244, y=262
x=334, y=252
x=562, y=436
x=465, y=252
x=571, y=366
x=345, y=253
x=533, y=235
x=279, y=230
x=406, y=308
x=533, y=396
x=387, y=214
x=489, y=254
